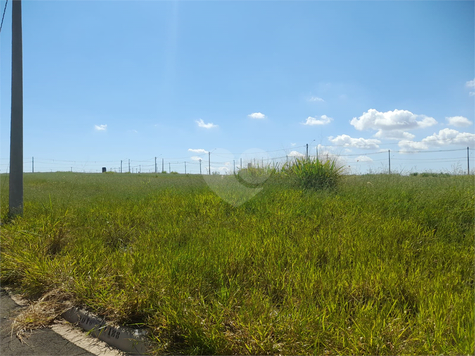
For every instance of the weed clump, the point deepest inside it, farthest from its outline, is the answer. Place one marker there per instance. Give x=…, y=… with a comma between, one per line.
x=312, y=174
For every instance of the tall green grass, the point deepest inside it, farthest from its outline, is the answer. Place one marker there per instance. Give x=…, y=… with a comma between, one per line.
x=382, y=265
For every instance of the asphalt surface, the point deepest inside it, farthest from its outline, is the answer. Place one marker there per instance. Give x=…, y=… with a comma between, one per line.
x=42, y=342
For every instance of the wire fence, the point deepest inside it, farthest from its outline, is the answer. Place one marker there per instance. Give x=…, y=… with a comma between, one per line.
x=454, y=161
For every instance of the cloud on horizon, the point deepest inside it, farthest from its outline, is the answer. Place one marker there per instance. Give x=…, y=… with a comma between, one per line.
x=347, y=141
x=197, y=150
x=392, y=124
x=363, y=159
x=295, y=154
x=444, y=137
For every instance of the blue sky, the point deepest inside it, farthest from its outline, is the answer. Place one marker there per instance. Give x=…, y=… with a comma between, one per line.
x=106, y=81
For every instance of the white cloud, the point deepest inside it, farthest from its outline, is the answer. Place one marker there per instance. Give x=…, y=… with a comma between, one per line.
x=196, y=158
x=364, y=159
x=197, y=150
x=293, y=144
x=100, y=127
x=407, y=145
x=470, y=84
x=395, y=134
x=450, y=137
x=347, y=141
x=458, y=121
x=392, y=124
x=472, y=93
x=201, y=123
x=445, y=137
x=295, y=154
x=316, y=99
x=257, y=115
x=324, y=119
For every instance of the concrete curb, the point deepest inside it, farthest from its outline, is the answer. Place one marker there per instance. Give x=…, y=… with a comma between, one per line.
x=133, y=341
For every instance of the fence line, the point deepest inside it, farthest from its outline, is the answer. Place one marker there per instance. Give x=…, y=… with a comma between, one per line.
x=220, y=162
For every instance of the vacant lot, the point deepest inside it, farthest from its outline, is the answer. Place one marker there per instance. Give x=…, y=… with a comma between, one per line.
x=384, y=264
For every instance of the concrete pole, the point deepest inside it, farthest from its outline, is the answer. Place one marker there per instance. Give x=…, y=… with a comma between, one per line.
x=16, y=131
x=468, y=160
x=389, y=156
x=209, y=163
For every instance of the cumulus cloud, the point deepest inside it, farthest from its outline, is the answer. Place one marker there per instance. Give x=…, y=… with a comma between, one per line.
x=444, y=137
x=364, y=159
x=100, y=127
x=392, y=124
x=295, y=154
x=257, y=115
x=347, y=141
x=197, y=150
x=323, y=120
x=407, y=145
x=196, y=158
x=470, y=84
x=450, y=137
x=316, y=99
x=201, y=123
x=458, y=121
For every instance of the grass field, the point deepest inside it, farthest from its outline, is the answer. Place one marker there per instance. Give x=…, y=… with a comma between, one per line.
x=383, y=264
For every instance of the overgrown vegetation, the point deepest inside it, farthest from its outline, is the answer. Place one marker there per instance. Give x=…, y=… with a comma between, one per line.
x=382, y=265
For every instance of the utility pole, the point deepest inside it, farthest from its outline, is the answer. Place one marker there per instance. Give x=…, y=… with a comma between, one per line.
x=163, y=165
x=468, y=160
x=306, y=154
x=185, y=167
x=241, y=163
x=209, y=163
x=16, y=130
x=155, y=164
x=32, y=164
x=120, y=166
x=169, y=167
x=129, y=165
x=234, y=165
x=389, y=156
